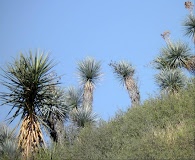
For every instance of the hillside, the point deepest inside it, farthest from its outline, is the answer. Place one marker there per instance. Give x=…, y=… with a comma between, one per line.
x=162, y=128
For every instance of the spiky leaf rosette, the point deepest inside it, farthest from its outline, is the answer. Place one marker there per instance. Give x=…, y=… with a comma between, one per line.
x=8, y=143
x=73, y=97
x=54, y=115
x=89, y=70
x=189, y=25
x=173, y=56
x=28, y=88
x=160, y=62
x=27, y=81
x=83, y=116
x=56, y=104
x=122, y=70
x=171, y=80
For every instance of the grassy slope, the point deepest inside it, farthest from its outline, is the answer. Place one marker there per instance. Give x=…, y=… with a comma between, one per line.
x=162, y=128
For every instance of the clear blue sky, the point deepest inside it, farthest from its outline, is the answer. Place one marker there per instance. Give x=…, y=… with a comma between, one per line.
x=104, y=29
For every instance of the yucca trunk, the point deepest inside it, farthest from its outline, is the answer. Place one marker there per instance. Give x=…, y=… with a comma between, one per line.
x=88, y=94
x=59, y=127
x=30, y=136
x=190, y=65
x=133, y=91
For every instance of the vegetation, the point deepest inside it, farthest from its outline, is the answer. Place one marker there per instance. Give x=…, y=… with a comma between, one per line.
x=162, y=127
x=171, y=80
x=29, y=92
x=125, y=72
x=89, y=72
x=56, y=115
x=8, y=143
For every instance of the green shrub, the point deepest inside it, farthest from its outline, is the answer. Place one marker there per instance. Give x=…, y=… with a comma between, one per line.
x=162, y=128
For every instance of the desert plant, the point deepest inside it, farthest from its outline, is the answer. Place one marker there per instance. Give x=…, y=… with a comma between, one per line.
x=174, y=55
x=171, y=80
x=124, y=72
x=8, y=143
x=89, y=72
x=28, y=91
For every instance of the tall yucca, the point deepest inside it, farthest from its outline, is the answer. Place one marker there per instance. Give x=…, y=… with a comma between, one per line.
x=189, y=25
x=89, y=72
x=189, y=22
x=125, y=72
x=189, y=30
x=28, y=91
x=170, y=80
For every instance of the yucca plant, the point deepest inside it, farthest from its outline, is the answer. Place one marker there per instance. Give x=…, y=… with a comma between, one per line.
x=160, y=62
x=89, y=72
x=125, y=73
x=28, y=91
x=83, y=116
x=189, y=25
x=8, y=143
x=189, y=22
x=73, y=97
x=189, y=30
x=174, y=55
x=171, y=80
x=56, y=115
x=79, y=114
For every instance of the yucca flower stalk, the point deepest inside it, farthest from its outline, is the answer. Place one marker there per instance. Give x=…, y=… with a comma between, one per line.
x=28, y=86
x=125, y=73
x=89, y=72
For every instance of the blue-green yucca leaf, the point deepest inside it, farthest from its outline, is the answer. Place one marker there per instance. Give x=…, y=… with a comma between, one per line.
x=28, y=84
x=175, y=55
x=8, y=143
x=160, y=62
x=89, y=70
x=73, y=97
x=171, y=80
x=56, y=105
x=122, y=69
x=189, y=26
x=83, y=115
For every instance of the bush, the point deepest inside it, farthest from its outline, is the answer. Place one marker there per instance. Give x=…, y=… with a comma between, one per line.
x=162, y=128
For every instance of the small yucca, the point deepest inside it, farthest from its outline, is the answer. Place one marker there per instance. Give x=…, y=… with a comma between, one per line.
x=171, y=80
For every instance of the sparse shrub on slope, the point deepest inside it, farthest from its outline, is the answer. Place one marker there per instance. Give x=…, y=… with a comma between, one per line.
x=162, y=128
